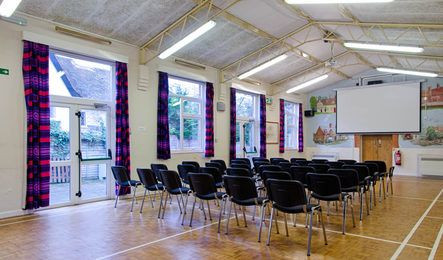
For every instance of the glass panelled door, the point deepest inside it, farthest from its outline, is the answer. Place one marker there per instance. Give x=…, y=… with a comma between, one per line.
x=246, y=139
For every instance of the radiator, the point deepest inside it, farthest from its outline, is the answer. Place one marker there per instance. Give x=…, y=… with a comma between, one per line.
x=430, y=165
x=329, y=157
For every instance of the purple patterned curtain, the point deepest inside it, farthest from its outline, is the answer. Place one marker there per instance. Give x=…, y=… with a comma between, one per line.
x=122, y=145
x=262, y=126
x=36, y=84
x=300, y=128
x=209, y=120
x=282, y=126
x=163, y=148
x=233, y=122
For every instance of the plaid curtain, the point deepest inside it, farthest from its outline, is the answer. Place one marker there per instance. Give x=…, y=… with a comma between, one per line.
x=262, y=126
x=233, y=122
x=163, y=148
x=36, y=86
x=122, y=145
x=300, y=128
x=209, y=120
x=282, y=126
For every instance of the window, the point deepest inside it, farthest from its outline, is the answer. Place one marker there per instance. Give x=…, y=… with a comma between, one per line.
x=185, y=108
x=247, y=127
x=291, y=125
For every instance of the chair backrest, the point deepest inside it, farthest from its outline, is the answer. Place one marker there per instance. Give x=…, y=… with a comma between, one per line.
x=244, y=160
x=286, y=193
x=262, y=159
x=202, y=184
x=294, y=160
x=372, y=167
x=319, y=161
x=239, y=172
x=222, y=162
x=391, y=171
x=215, y=165
x=214, y=172
x=347, y=161
x=320, y=167
x=240, y=187
x=279, y=175
x=301, y=162
x=171, y=180
x=276, y=161
x=348, y=177
x=196, y=164
x=257, y=165
x=184, y=170
x=381, y=165
x=335, y=165
x=147, y=177
x=156, y=167
x=285, y=165
x=269, y=167
x=362, y=170
x=323, y=184
x=120, y=175
x=299, y=173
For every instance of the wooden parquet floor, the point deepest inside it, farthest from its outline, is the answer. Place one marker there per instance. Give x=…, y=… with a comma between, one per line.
x=405, y=226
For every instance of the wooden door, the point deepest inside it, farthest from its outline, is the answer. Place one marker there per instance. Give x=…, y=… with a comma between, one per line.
x=377, y=147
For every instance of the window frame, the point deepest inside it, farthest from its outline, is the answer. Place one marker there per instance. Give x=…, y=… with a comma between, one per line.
x=294, y=125
x=202, y=101
x=255, y=119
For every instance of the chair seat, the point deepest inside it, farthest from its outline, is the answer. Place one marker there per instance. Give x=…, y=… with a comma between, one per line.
x=219, y=185
x=132, y=183
x=294, y=209
x=350, y=189
x=155, y=187
x=249, y=202
x=181, y=190
x=213, y=196
x=333, y=197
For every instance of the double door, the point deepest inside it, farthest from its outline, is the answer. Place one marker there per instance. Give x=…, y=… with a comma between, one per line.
x=377, y=147
x=81, y=154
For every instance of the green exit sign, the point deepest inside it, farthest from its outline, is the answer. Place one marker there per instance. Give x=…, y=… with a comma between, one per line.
x=4, y=71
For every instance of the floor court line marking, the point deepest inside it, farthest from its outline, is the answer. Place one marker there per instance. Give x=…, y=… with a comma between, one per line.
x=410, y=198
x=434, y=217
x=411, y=233
x=436, y=243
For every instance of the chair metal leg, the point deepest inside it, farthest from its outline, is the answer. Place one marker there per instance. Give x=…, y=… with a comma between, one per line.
x=352, y=212
x=262, y=219
x=276, y=222
x=286, y=225
x=384, y=187
x=161, y=203
x=192, y=212
x=236, y=216
x=143, y=201
x=270, y=227
x=367, y=203
x=310, y=231
x=294, y=219
x=244, y=216
x=209, y=210
x=116, y=196
x=220, y=214
x=375, y=195
x=229, y=217
x=323, y=225
x=392, y=188
x=370, y=195
x=164, y=206
x=361, y=204
x=255, y=210
x=179, y=206
x=183, y=203
x=133, y=198
x=150, y=198
x=344, y=216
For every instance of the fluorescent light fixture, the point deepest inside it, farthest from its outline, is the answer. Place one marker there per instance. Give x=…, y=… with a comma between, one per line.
x=308, y=83
x=302, y=2
x=409, y=72
x=382, y=47
x=189, y=38
x=8, y=7
x=263, y=66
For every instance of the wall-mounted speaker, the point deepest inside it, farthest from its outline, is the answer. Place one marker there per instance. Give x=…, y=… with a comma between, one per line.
x=221, y=106
x=309, y=113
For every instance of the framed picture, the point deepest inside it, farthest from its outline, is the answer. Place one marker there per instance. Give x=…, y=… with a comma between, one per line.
x=272, y=132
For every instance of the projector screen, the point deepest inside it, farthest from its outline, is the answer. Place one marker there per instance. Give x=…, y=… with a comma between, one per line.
x=385, y=108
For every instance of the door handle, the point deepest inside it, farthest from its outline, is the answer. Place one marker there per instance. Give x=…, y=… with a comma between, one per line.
x=109, y=154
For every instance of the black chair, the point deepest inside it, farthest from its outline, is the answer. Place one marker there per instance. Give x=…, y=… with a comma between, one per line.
x=363, y=182
x=244, y=160
x=241, y=191
x=257, y=165
x=238, y=172
x=335, y=165
x=174, y=186
x=218, y=177
x=278, y=175
x=276, y=161
x=122, y=180
x=319, y=161
x=389, y=180
x=289, y=197
x=347, y=161
x=298, y=173
x=373, y=169
x=348, y=179
x=196, y=164
x=222, y=162
x=381, y=176
x=216, y=165
x=327, y=187
x=294, y=160
x=302, y=162
x=285, y=166
x=184, y=170
x=149, y=181
x=269, y=167
x=257, y=159
x=156, y=168
x=203, y=187
x=319, y=167
x=241, y=165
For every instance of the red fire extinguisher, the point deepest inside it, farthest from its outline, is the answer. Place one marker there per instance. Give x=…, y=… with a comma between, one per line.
x=397, y=157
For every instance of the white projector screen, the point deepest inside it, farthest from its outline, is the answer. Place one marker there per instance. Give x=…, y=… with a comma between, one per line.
x=386, y=108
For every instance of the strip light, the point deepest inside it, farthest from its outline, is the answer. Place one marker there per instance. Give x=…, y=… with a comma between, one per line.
x=308, y=83
x=263, y=66
x=189, y=38
x=409, y=72
x=301, y=2
x=383, y=47
x=8, y=7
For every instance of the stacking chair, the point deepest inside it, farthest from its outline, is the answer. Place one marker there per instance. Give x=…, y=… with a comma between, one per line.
x=348, y=161
x=319, y=167
x=149, y=181
x=363, y=182
x=122, y=180
x=335, y=165
x=259, y=159
x=276, y=161
x=327, y=187
x=319, y=161
x=301, y=162
x=269, y=167
x=285, y=166
x=294, y=160
x=373, y=169
x=222, y=162
x=348, y=180
x=244, y=160
x=389, y=180
x=239, y=172
x=241, y=191
x=196, y=164
x=278, y=175
x=289, y=197
x=241, y=165
x=381, y=175
x=216, y=165
x=204, y=188
x=184, y=170
x=174, y=186
x=257, y=165
x=218, y=178
x=156, y=169
x=298, y=173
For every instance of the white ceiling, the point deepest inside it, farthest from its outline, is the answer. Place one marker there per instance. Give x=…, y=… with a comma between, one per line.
x=252, y=25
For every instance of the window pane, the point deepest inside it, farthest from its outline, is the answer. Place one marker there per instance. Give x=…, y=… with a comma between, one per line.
x=59, y=133
x=289, y=107
x=184, y=88
x=191, y=107
x=74, y=77
x=245, y=105
x=249, y=137
x=174, y=122
x=291, y=137
x=290, y=119
x=191, y=133
x=237, y=137
x=93, y=134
